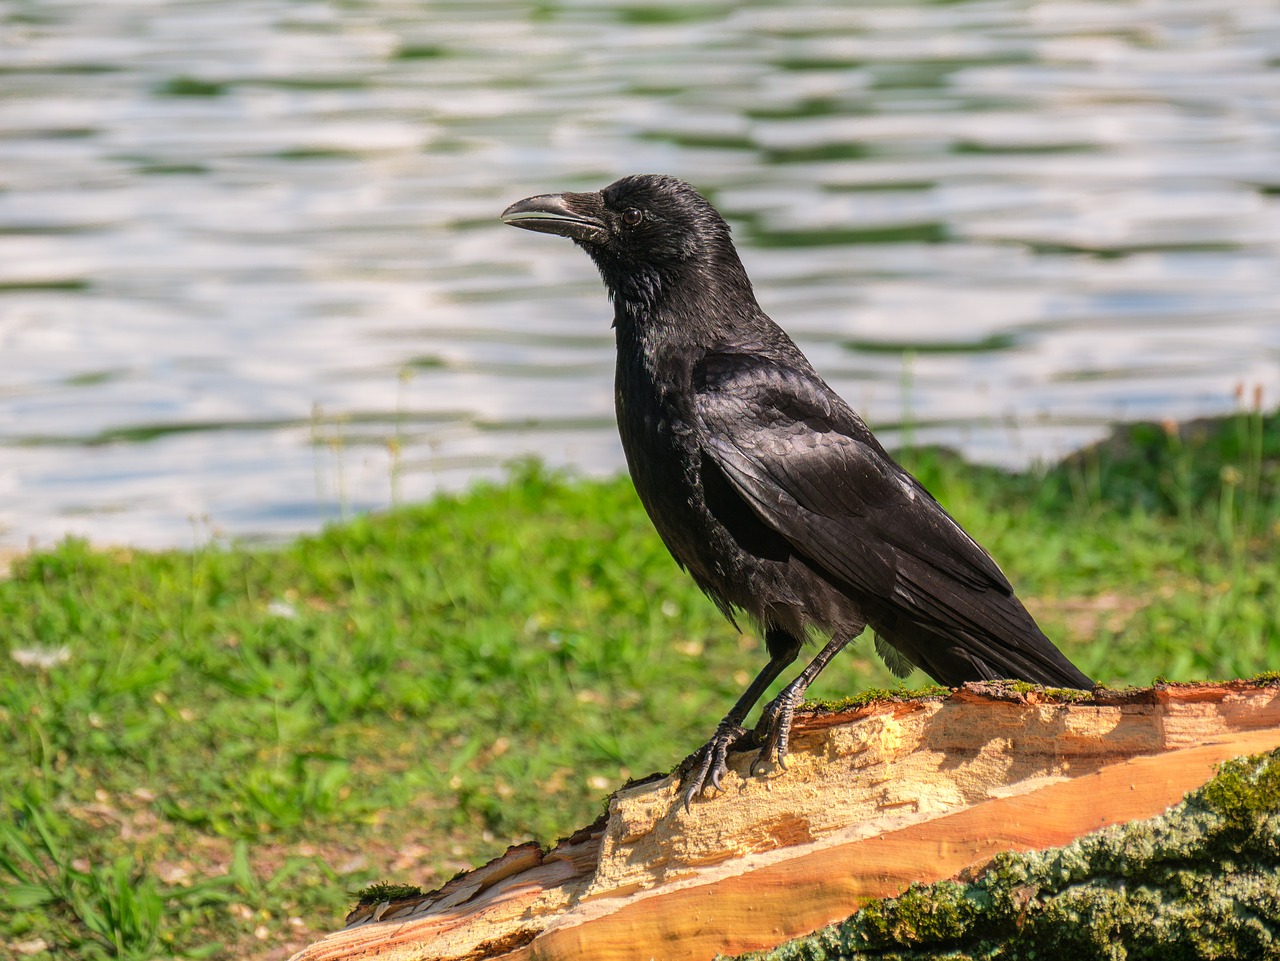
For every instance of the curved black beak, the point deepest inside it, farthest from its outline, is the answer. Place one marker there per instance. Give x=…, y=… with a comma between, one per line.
x=576, y=216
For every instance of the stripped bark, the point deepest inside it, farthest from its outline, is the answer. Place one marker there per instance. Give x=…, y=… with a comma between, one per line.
x=876, y=797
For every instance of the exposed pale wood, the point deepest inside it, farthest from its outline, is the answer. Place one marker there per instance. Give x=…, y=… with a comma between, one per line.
x=873, y=799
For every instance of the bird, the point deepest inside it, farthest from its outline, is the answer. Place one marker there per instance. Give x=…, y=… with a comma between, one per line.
x=766, y=486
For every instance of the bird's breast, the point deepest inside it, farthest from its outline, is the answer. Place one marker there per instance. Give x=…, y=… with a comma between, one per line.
x=660, y=441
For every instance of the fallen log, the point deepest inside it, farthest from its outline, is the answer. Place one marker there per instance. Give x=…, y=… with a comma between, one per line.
x=876, y=797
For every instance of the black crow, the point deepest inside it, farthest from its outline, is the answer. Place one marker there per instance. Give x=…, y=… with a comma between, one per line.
x=764, y=484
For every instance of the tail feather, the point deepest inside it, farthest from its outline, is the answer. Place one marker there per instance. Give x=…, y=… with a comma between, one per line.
x=957, y=633
x=955, y=657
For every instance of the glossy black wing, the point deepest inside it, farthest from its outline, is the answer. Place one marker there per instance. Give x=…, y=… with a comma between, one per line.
x=810, y=470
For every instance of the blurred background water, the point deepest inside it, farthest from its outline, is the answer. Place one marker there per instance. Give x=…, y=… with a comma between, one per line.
x=252, y=276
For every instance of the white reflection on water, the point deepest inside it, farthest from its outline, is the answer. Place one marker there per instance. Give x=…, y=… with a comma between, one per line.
x=245, y=244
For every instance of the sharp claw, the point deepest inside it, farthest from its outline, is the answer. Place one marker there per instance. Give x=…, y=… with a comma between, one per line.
x=772, y=734
x=775, y=723
x=784, y=739
x=762, y=758
x=710, y=762
x=719, y=763
x=696, y=783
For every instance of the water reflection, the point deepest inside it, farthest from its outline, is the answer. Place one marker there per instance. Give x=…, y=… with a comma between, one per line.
x=251, y=274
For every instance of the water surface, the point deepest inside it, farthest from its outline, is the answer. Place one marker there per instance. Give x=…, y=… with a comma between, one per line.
x=252, y=276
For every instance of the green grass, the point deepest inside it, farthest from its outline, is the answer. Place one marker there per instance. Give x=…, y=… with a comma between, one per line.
x=208, y=752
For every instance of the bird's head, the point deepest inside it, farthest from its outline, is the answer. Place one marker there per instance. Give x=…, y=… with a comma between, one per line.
x=643, y=231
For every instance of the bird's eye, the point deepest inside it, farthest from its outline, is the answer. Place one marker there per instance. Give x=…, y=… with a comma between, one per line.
x=631, y=216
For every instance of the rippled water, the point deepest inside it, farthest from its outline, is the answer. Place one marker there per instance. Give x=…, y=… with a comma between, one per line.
x=251, y=272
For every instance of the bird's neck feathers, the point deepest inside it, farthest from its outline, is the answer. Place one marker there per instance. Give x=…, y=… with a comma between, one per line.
x=698, y=299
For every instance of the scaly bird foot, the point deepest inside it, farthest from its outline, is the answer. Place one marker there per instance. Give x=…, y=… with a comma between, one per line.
x=709, y=763
x=774, y=727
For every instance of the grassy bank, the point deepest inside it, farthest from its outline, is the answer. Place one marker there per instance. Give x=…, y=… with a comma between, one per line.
x=208, y=751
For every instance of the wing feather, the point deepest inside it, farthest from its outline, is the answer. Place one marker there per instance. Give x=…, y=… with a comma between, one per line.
x=811, y=470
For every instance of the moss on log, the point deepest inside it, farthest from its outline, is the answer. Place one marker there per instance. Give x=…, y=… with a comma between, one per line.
x=1200, y=881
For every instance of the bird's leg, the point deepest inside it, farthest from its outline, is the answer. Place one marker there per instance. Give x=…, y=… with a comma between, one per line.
x=710, y=762
x=775, y=720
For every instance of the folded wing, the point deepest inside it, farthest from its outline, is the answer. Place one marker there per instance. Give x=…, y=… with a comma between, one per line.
x=809, y=469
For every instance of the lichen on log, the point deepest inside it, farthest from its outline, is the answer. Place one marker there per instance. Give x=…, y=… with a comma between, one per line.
x=1199, y=881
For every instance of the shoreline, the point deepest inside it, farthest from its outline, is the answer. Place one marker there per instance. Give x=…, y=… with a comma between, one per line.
x=1120, y=439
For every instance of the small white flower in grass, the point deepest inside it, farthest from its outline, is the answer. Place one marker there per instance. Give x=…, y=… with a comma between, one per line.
x=41, y=658
x=283, y=609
